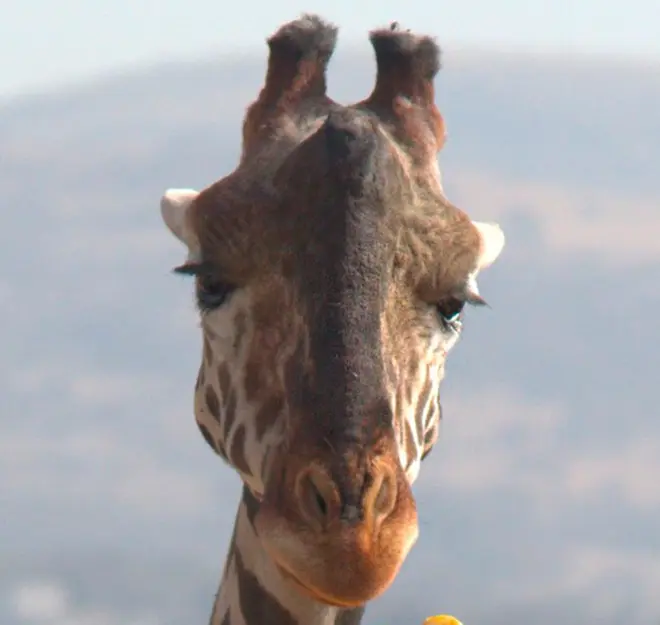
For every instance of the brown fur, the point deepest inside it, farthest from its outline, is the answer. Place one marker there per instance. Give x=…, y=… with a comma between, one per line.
x=242, y=220
x=299, y=55
x=336, y=220
x=403, y=97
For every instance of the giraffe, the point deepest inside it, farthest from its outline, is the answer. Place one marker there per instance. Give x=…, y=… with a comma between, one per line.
x=331, y=276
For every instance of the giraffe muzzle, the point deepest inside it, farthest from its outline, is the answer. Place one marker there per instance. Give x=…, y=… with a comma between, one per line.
x=339, y=538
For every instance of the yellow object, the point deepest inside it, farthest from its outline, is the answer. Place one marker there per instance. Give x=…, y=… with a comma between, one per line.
x=442, y=619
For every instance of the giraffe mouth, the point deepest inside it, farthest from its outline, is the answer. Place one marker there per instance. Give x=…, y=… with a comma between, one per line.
x=312, y=592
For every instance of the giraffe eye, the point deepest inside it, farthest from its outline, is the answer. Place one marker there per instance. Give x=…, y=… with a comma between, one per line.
x=450, y=312
x=211, y=293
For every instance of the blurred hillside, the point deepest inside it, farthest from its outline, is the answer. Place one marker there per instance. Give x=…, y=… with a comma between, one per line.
x=540, y=501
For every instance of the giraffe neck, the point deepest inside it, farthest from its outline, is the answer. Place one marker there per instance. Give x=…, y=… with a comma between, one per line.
x=254, y=592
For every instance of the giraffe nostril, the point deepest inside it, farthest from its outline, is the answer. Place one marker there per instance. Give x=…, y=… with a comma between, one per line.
x=321, y=506
x=321, y=502
x=383, y=496
x=384, y=499
x=315, y=497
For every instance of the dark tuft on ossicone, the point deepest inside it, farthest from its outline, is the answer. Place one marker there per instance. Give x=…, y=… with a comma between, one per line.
x=400, y=48
x=307, y=37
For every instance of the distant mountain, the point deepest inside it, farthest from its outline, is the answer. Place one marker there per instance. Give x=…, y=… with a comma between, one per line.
x=539, y=504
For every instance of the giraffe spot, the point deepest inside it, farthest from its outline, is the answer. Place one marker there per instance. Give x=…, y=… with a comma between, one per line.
x=200, y=379
x=224, y=379
x=294, y=368
x=413, y=373
x=210, y=333
x=257, y=604
x=430, y=438
x=434, y=410
x=217, y=445
x=226, y=619
x=265, y=461
x=411, y=449
x=230, y=412
x=207, y=435
x=240, y=325
x=237, y=451
x=212, y=402
x=253, y=379
x=267, y=415
x=208, y=354
x=220, y=448
x=433, y=419
x=251, y=504
x=399, y=400
x=423, y=401
x=390, y=372
x=230, y=551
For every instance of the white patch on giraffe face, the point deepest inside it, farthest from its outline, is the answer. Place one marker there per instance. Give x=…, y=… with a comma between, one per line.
x=221, y=332
x=419, y=405
x=444, y=340
x=222, y=323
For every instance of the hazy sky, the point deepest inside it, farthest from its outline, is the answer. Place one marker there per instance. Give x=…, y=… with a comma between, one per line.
x=46, y=42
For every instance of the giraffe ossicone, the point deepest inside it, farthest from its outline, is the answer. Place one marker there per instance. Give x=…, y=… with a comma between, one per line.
x=331, y=277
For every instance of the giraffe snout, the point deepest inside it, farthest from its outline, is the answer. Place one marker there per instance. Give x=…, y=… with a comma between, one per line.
x=340, y=529
x=358, y=498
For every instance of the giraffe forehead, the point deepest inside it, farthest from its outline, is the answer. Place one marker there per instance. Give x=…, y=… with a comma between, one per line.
x=285, y=210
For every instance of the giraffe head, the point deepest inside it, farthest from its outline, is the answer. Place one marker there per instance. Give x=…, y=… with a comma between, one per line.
x=331, y=276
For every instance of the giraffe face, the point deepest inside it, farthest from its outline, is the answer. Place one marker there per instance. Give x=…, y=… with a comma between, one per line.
x=331, y=275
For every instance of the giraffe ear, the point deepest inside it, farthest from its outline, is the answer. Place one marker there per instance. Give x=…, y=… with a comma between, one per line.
x=492, y=243
x=175, y=209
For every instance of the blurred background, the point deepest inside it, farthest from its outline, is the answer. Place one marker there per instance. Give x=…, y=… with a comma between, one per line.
x=540, y=503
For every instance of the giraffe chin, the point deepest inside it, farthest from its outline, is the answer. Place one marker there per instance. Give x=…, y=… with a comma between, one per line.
x=316, y=594
x=315, y=575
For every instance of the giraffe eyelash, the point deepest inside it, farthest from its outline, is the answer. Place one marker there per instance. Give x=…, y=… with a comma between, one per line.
x=451, y=309
x=210, y=292
x=192, y=269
